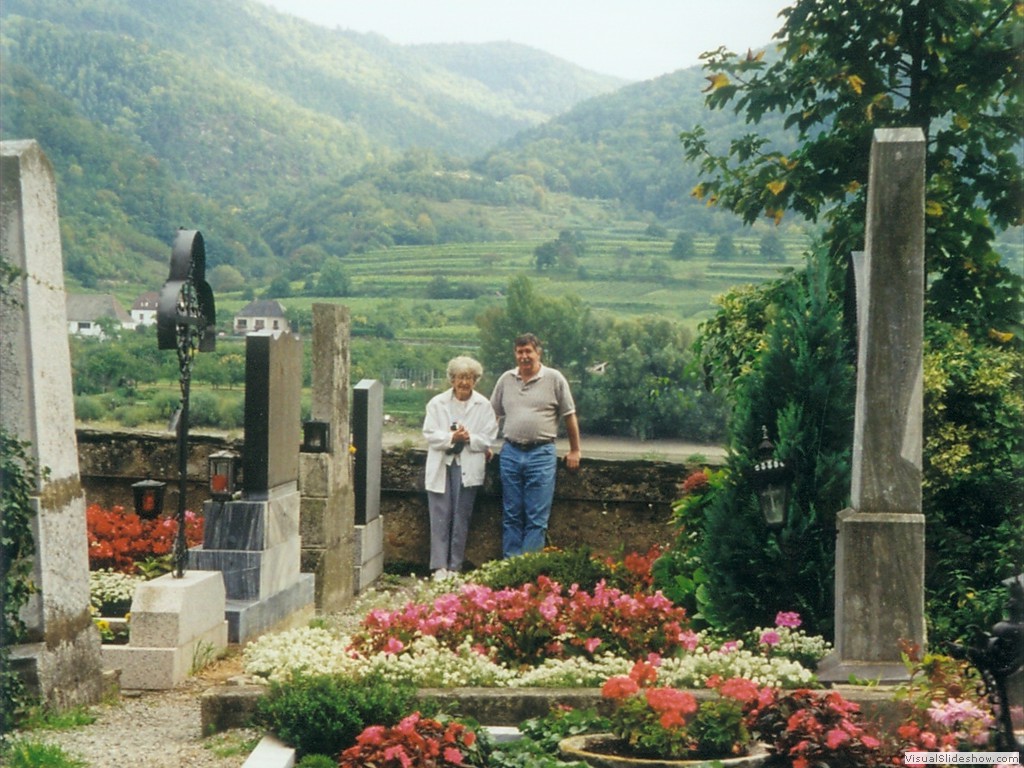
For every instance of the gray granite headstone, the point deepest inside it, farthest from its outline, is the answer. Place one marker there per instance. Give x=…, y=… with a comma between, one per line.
x=273, y=389
x=63, y=659
x=367, y=436
x=880, y=549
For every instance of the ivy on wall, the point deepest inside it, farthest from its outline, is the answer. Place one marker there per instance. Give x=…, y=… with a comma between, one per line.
x=18, y=473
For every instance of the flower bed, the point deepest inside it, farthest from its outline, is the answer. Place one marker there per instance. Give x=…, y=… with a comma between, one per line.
x=538, y=635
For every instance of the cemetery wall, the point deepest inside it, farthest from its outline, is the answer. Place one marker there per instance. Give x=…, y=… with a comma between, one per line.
x=610, y=506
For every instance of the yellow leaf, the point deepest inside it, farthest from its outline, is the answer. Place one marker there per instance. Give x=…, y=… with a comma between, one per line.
x=961, y=122
x=697, y=191
x=1001, y=336
x=719, y=80
x=856, y=83
x=776, y=187
x=786, y=163
x=932, y=208
x=853, y=186
x=751, y=56
x=775, y=214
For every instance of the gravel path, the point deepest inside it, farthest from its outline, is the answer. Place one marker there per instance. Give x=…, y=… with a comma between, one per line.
x=156, y=729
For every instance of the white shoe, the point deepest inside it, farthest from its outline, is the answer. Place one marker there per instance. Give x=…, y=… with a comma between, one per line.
x=440, y=574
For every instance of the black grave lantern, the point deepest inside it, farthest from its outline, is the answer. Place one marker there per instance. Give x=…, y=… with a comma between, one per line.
x=772, y=479
x=316, y=436
x=223, y=470
x=148, y=496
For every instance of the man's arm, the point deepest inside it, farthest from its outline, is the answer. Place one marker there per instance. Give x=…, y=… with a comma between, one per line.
x=572, y=428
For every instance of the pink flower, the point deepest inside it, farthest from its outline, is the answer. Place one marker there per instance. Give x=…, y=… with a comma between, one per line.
x=729, y=646
x=394, y=646
x=453, y=756
x=789, y=619
x=373, y=734
x=836, y=737
x=770, y=637
x=591, y=644
x=397, y=752
x=689, y=639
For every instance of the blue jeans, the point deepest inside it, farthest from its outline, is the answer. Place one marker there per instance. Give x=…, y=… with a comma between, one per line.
x=527, y=488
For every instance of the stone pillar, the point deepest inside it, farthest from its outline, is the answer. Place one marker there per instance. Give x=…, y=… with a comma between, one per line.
x=880, y=549
x=62, y=662
x=327, y=513
x=367, y=437
x=254, y=542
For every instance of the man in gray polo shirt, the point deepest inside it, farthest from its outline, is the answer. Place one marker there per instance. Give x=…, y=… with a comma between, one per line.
x=529, y=400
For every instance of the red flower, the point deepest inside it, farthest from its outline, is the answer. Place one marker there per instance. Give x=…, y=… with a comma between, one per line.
x=741, y=689
x=671, y=700
x=619, y=688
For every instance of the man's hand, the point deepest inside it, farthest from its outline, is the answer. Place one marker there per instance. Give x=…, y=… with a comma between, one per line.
x=572, y=460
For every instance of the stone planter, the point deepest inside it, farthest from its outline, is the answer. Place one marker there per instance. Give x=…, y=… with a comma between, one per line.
x=587, y=749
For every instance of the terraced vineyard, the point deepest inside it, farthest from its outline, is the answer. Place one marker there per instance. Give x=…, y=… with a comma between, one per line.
x=622, y=272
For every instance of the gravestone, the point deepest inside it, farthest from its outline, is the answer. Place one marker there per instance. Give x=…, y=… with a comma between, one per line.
x=367, y=437
x=880, y=550
x=327, y=518
x=61, y=661
x=254, y=541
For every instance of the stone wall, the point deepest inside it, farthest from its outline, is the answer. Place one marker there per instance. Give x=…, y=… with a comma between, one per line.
x=610, y=506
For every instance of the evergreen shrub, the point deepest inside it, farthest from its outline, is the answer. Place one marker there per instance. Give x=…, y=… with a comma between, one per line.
x=323, y=714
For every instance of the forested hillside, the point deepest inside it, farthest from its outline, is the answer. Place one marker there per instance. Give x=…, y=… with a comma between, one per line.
x=289, y=144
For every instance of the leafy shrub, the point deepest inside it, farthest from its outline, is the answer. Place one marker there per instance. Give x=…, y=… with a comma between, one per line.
x=89, y=408
x=134, y=415
x=231, y=411
x=204, y=410
x=323, y=714
x=566, y=567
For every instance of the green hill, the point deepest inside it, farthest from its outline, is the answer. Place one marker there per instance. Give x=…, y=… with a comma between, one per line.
x=288, y=144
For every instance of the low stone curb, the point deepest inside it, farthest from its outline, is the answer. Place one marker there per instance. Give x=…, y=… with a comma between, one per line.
x=270, y=753
x=232, y=705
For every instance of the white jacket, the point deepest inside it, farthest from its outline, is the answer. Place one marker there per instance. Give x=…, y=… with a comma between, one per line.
x=437, y=429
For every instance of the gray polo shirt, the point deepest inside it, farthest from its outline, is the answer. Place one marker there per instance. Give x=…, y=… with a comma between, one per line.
x=532, y=409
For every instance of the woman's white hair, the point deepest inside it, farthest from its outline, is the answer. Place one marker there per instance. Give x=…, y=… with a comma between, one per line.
x=464, y=364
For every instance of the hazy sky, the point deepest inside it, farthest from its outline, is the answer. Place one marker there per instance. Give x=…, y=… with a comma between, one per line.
x=634, y=39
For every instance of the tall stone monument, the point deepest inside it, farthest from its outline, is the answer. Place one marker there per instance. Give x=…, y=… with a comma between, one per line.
x=254, y=541
x=880, y=549
x=325, y=477
x=62, y=660
x=367, y=437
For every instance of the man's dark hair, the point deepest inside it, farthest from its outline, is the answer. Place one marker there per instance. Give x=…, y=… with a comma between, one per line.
x=527, y=338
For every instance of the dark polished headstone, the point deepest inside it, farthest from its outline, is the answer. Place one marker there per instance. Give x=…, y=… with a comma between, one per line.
x=367, y=429
x=273, y=429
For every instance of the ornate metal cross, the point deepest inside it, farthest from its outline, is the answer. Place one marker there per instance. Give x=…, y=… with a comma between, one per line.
x=185, y=321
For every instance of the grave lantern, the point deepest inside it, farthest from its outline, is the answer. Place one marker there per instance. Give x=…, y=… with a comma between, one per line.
x=148, y=495
x=316, y=437
x=223, y=470
x=772, y=479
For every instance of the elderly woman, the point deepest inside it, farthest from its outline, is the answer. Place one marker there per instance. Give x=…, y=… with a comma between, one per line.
x=460, y=428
